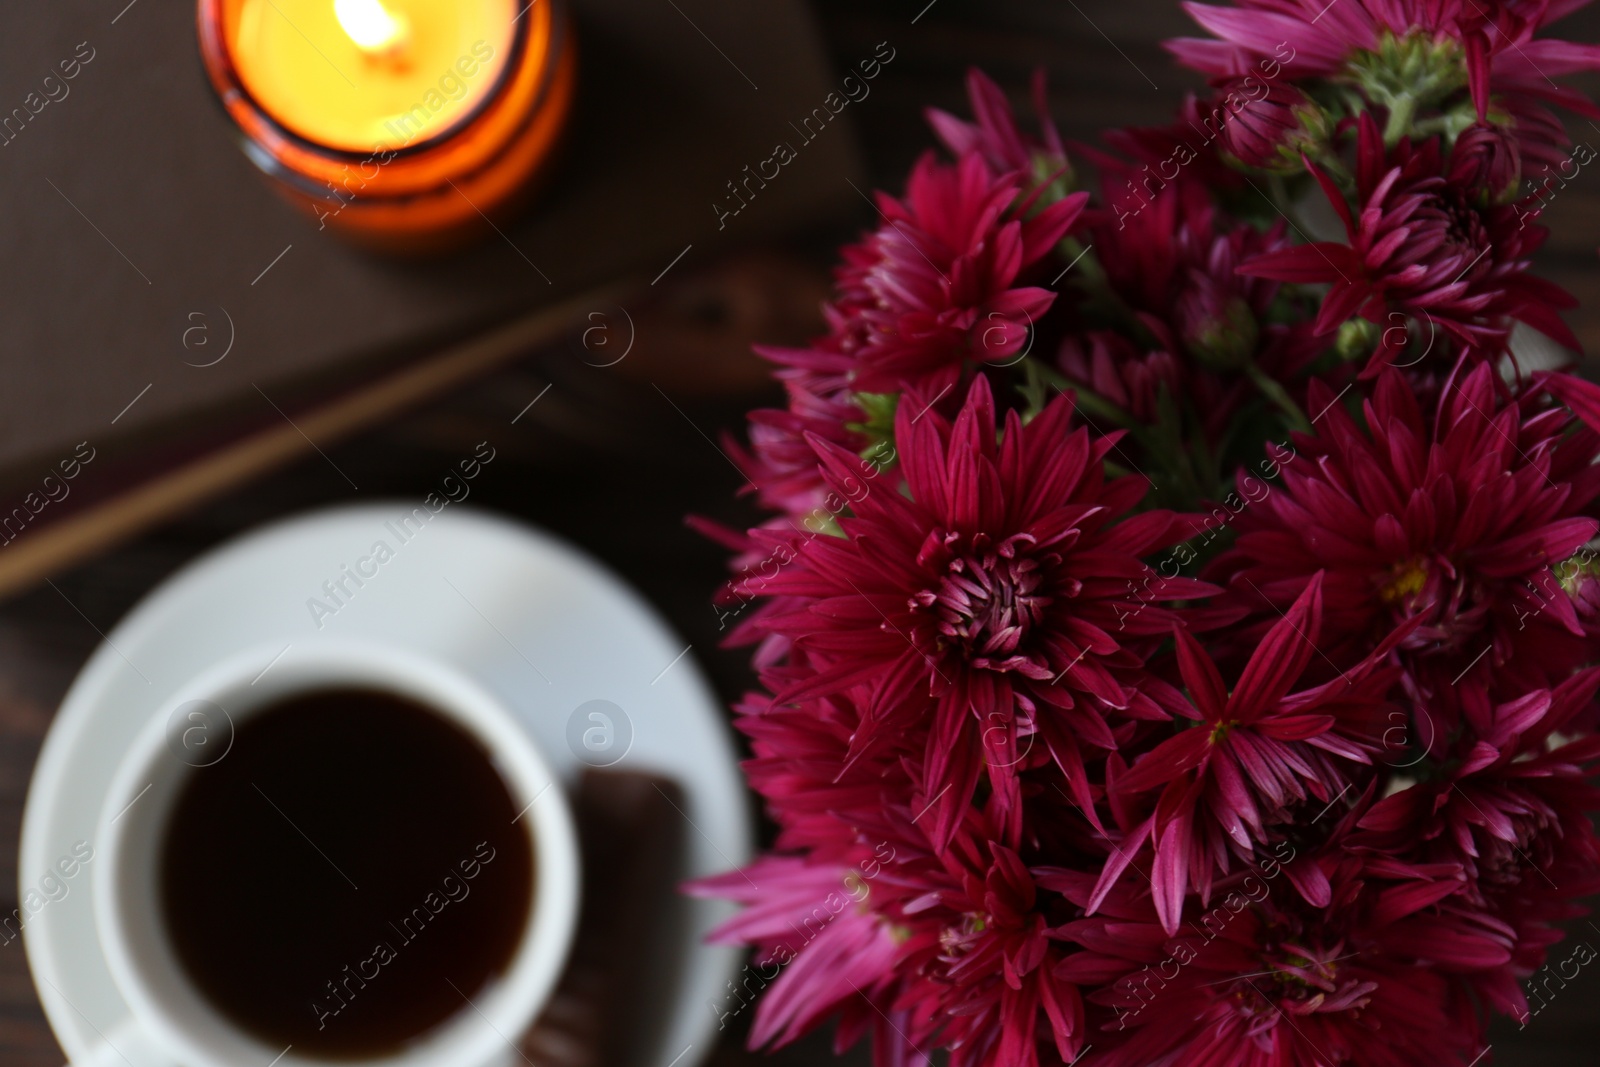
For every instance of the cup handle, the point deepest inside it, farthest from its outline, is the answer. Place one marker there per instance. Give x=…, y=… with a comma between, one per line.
x=125, y=1045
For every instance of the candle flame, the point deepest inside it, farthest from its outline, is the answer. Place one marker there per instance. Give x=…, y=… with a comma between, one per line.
x=370, y=25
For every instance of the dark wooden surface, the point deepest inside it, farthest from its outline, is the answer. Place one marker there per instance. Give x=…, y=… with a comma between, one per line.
x=613, y=458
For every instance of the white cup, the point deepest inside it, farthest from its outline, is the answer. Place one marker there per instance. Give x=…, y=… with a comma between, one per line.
x=171, y=1023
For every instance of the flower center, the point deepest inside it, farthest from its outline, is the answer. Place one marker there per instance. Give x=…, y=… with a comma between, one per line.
x=1294, y=979
x=958, y=939
x=1503, y=865
x=1452, y=606
x=1405, y=583
x=1577, y=575
x=987, y=600
x=1465, y=230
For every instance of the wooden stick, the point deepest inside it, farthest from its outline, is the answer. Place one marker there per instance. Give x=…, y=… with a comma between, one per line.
x=29, y=561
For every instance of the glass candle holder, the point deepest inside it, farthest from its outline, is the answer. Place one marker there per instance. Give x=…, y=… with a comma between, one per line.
x=407, y=125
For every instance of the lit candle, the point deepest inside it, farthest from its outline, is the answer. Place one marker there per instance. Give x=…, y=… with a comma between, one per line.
x=402, y=122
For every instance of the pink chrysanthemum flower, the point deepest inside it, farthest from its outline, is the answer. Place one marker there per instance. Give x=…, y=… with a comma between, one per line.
x=1422, y=246
x=1273, y=128
x=799, y=751
x=820, y=947
x=1000, y=599
x=1485, y=159
x=931, y=292
x=1449, y=522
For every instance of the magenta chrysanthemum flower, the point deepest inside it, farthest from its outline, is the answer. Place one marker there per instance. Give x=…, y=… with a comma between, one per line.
x=997, y=600
x=1173, y=258
x=995, y=135
x=1510, y=805
x=1485, y=158
x=1509, y=801
x=1002, y=961
x=941, y=284
x=1264, y=979
x=779, y=463
x=1422, y=246
x=799, y=750
x=1253, y=760
x=1449, y=522
x=986, y=961
x=934, y=290
x=924, y=949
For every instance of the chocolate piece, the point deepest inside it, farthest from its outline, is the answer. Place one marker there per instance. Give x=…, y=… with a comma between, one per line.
x=630, y=831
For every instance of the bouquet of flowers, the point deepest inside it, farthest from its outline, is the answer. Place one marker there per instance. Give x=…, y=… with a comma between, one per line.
x=1178, y=618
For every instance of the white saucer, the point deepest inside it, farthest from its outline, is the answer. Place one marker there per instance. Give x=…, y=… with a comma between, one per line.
x=542, y=626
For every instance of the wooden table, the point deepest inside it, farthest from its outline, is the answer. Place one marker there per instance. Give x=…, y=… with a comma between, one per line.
x=614, y=458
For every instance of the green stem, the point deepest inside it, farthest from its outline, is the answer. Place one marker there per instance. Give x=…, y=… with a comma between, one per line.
x=1092, y=403
x=1429, y=127
x=1274, y=391
x=1032, y=390
x=1328, y=159
x=1083, y=268
x=1286, y=204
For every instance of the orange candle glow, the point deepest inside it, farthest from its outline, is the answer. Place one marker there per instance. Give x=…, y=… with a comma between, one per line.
x=405, y=123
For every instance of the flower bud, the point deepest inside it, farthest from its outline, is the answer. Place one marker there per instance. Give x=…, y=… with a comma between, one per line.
x=1580, y=579
x=1356, y=339
x=1269, y=124
x=1217, y=325
x=1487, y=164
